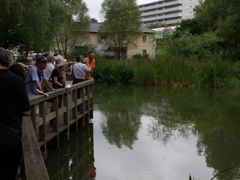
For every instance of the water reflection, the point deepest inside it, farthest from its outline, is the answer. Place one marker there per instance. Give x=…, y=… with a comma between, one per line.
x=75, y=158
x=154, y=133
x=210, y=115
x=123, y=118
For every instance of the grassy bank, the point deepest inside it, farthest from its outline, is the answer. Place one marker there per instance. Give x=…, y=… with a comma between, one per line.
x=184, y=73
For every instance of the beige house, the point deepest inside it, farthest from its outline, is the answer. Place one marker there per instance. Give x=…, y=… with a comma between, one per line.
x=144, y=44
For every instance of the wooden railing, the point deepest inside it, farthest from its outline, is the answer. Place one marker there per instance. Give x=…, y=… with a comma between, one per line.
x=63, y=117
x=33, y=166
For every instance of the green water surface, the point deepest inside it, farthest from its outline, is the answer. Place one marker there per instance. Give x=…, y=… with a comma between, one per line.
x=153, y=133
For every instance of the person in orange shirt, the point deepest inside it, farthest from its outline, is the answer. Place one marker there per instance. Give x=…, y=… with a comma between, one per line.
x=91, y=62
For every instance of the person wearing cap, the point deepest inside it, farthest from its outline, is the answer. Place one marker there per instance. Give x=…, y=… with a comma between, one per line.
x=91, y=64
x=35, y=76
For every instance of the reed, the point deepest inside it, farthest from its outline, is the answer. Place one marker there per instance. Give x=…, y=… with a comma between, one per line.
x=174, y=72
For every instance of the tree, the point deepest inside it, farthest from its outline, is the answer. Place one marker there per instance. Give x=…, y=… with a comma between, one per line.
x=29, y=25
x=122, y=25
x=221, y=16
x=75, y=26
x=93, y=20
x=190, y=25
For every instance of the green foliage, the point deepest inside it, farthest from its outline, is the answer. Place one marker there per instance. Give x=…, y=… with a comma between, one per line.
x=203, y=46
x=93, y=20
x=138, y=56
x=223, y=17
x=75, y=26
x=82, y=50
x=33, y=25
x=171, y=72
x=190, y=25
x=24, y=23
x=111, y=72
x=122, y=25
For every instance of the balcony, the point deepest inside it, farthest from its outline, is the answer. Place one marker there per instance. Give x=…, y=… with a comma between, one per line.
x=156, y=18
x=162, y=11
x=178, y=2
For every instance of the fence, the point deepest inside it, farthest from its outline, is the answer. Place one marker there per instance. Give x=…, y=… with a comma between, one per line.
x=68, y=109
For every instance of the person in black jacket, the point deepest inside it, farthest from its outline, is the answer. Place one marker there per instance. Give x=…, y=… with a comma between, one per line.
x=14, y=104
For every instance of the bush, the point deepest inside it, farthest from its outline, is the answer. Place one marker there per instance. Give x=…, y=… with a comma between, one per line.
x=137, y=56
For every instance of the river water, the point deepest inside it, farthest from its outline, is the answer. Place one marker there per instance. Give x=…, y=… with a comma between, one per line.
x=153, y=133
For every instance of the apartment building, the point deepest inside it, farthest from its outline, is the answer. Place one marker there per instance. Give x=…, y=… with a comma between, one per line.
x=168, y=11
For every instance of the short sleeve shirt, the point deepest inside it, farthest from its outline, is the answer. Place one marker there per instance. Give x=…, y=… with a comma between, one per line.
x=49, y=70
x=34, y=74
x=57, y=73
x=91, y=65
x=79, y=70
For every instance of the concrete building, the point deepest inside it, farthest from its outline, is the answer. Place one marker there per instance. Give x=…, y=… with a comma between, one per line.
x=145, y=44
x=168, y=11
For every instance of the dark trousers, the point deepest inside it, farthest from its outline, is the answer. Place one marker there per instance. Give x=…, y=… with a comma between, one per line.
x=9, y=162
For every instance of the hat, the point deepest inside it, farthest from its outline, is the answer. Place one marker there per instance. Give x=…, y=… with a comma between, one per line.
x=50, y=57
x=29, y=61
x=40, y=58
x=59, y=60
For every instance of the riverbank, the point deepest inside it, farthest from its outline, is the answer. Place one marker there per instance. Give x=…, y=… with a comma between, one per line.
x=170, y=72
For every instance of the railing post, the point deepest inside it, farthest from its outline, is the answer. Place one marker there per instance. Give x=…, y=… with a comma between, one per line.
x=74, y=110
x=42, y=129
x=91, y=101
x=82, y=105
x=87, y=103
x=33, y=118
x=55, y=120
x=66, y=114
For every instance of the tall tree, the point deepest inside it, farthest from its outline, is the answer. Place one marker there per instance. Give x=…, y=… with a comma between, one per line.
x=29, y=23
x=75, y=26
x=221, y=16
x=122, y=25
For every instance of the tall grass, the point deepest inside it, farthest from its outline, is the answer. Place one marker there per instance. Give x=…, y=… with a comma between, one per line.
x=112, y=71
x=172, y=72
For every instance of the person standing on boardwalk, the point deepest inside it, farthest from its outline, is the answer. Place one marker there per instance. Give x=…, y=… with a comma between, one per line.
x=79, y=69
x=13, y=105
x=91, y=64
x=35, y=76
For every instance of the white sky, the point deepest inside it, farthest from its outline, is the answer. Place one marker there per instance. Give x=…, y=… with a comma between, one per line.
x=94, y=7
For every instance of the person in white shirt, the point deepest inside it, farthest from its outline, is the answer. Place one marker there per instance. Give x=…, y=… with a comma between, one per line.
x=79, y=69
x=50, y=67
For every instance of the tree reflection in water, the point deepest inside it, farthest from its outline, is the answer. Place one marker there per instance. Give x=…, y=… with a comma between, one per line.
x=211, y=115
x=122, y=116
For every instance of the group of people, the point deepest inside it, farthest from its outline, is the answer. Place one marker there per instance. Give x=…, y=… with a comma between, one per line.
x=49, y=73
x=18, y=86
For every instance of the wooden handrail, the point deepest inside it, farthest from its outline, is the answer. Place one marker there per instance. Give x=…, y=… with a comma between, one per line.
x=33, y=163
x=33, y=166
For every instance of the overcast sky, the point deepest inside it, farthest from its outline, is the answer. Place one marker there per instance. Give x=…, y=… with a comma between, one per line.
x=94, y=7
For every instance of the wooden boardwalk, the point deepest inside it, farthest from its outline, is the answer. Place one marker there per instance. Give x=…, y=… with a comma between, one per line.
x=63, y=117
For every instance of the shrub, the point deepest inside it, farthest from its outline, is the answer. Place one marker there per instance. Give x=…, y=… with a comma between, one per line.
x=137, y=56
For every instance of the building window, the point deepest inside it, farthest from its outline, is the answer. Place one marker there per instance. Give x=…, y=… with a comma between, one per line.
x=144, y=51
x=144, y=38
